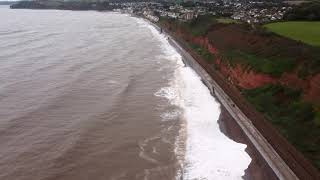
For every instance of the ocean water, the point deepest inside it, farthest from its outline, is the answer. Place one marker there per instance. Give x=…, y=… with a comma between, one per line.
x=101, y=95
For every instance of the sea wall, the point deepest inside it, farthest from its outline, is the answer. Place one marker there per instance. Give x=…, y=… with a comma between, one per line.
x=278, y=165
x=284, y=159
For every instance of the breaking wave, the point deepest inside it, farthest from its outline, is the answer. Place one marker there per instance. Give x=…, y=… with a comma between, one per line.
x=202, y=150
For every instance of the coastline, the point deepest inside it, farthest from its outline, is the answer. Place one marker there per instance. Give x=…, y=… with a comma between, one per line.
x=285, y=161
x=233, y=130
x=258, y=168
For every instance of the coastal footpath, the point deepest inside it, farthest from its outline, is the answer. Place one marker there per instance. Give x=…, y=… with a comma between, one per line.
x=285, y=161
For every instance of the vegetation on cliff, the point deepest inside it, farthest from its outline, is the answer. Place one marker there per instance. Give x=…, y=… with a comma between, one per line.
x=296, y=119
x=264, y=53
x=199, y=26
x=272, y=66
x=253, y=47
x=203, y=52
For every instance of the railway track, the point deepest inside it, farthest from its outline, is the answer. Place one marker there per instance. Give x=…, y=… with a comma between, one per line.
x=286, y=162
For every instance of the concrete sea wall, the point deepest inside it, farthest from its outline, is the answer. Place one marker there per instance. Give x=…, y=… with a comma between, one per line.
x=284, y=160
x=277, y=164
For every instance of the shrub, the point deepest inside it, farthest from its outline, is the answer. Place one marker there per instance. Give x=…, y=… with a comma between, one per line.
x=203, y=52
x=297, y=120
x=270, y=66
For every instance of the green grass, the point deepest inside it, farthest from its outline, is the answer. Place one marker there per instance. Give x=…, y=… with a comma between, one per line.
x=227, y=20
x=305, y=31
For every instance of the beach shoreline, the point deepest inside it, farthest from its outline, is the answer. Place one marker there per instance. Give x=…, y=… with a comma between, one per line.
x=258, y=168
x=279, y=155
x=284, y=160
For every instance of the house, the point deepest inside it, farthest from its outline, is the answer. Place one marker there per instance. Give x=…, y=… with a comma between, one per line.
x=188, y=15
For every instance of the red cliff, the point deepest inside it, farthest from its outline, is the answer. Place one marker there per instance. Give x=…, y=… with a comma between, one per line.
x=244, y=77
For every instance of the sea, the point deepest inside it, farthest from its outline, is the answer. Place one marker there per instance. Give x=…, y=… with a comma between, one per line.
x=88, y=95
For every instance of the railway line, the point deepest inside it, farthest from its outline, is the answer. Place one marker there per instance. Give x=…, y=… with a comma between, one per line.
x=285, y=161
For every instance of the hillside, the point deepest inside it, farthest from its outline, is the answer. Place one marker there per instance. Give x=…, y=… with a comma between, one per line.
x=279, y=76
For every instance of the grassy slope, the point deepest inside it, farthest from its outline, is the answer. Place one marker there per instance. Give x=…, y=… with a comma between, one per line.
x=307, y=32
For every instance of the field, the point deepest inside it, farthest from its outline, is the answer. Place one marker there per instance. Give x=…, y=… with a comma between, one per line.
x=307, y=32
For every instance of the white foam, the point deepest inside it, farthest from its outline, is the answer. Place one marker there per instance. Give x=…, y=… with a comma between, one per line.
x=170, y=115
x=209, y=154
x=167, y=92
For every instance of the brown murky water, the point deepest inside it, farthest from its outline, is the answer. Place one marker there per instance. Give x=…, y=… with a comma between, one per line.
x=103, y=96
x=77, y=98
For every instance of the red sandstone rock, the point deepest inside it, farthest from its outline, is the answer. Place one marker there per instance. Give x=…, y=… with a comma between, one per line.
x=244, y=78
x=249, y=79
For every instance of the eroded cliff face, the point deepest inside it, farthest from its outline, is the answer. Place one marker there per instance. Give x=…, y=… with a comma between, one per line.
x=237, y=74
x=246, y=78
x=270, y=71
x=243, y=77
